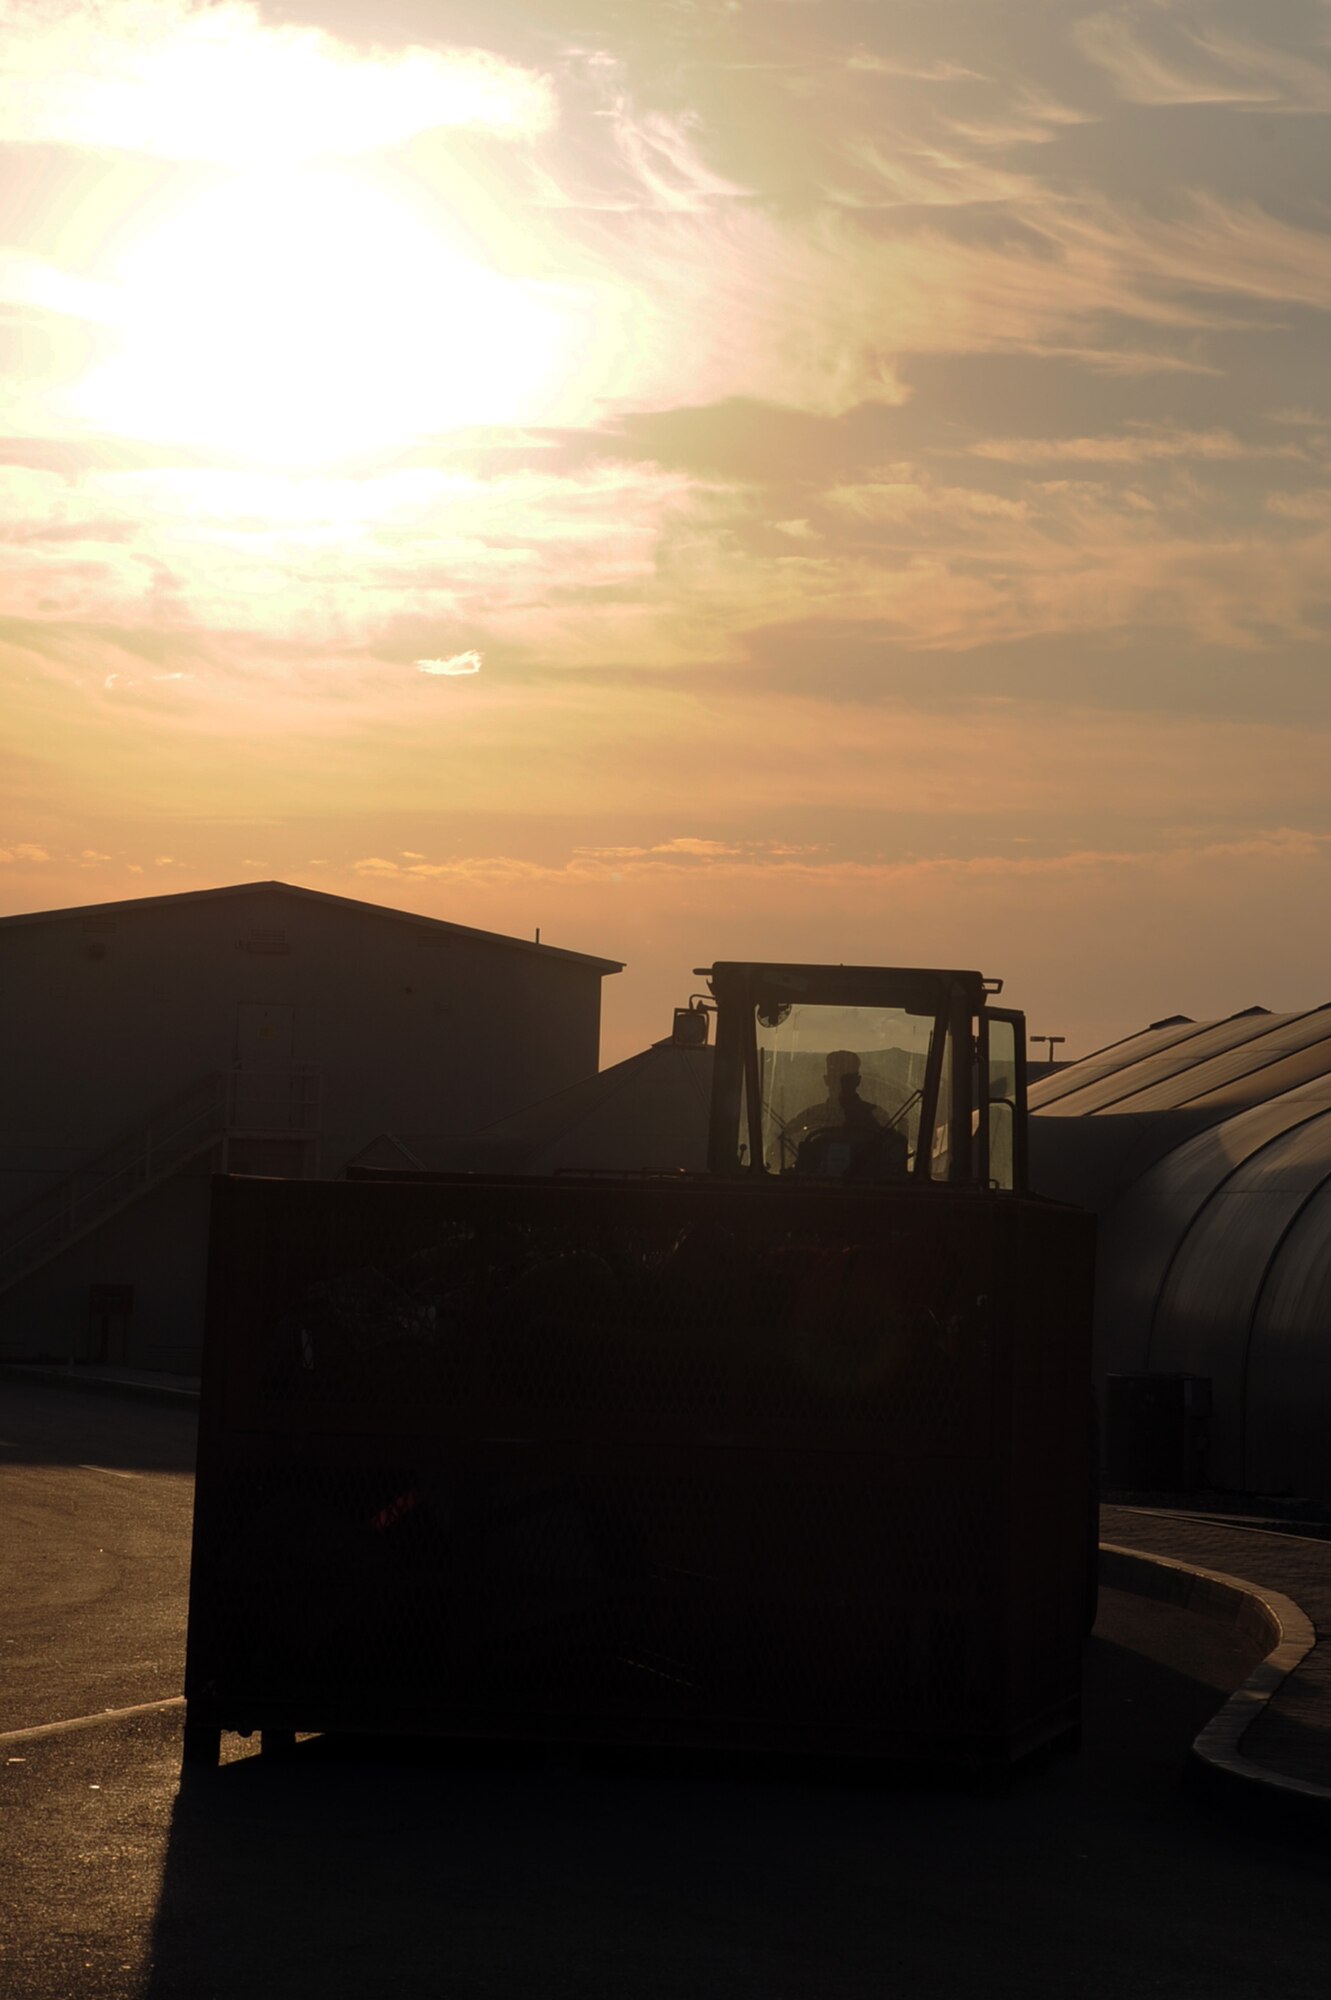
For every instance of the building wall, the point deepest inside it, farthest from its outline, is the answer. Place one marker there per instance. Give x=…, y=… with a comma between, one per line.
x=158, y=1249
x=106, y=1016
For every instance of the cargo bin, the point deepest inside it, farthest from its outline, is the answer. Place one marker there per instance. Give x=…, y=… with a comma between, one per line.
x=664, y=1463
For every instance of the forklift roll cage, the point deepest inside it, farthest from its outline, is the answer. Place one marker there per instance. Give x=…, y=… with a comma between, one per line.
x=974, y=1066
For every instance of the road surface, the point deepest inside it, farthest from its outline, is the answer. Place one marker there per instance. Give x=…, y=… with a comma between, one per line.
x=365, y=1872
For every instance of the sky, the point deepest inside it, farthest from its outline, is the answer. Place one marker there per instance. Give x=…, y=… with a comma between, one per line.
x=816, y=479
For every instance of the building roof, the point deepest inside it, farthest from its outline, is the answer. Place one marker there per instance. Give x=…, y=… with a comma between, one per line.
x=647, y=1114
x=464, y=932
x=1101, y=1122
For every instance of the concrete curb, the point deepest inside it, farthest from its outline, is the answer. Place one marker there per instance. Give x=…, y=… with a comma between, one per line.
x=60, y=1377
x=1263, y=1615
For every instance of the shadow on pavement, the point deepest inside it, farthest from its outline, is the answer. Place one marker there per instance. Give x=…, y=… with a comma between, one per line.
x=43, y=1423
x=412, y=1868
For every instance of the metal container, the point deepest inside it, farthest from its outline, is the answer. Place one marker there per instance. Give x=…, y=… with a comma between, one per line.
x=667, y=1463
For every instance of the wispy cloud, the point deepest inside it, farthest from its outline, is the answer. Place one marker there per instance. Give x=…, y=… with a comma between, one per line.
x=942, y=70
x=1188, y=54
x=755, y=864
x=1137, y=447
x=686, y=846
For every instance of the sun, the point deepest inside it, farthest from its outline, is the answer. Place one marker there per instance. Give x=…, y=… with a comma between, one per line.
x=302, y=316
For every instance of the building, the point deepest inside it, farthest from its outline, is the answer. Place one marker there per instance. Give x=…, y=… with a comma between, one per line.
x=1205, y=1149
x=645, y=1115
x=259, y=1028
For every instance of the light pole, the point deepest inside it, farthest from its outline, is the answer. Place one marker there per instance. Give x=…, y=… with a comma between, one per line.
x=1051, y=1042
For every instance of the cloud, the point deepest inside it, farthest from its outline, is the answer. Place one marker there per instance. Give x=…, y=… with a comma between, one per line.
x=940, y=71
x=1133, y=448
x=457, y=663
x=914, y=235
x=24, y=850
x=662, y=157
x=820, y=312
x=1185, y=54
x=1313, y=504
x=700, y=849
x=168, y=78
x=686, y=846
x=913, y=497
x=625, y=156
x=753, y=864
x=680, y=855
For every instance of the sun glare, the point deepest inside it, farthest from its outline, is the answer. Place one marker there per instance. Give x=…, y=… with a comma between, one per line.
x=302, y=317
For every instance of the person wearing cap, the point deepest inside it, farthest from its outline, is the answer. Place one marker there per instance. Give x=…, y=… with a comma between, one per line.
x=845, y=1135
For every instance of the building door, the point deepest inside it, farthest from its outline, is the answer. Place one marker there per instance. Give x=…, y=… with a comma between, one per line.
x=265, y=1042
x=109, y=1311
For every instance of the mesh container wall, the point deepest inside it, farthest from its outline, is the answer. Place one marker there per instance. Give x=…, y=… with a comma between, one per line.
x=678, y=1461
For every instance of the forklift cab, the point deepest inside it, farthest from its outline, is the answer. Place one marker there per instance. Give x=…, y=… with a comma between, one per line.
x=866, y=1074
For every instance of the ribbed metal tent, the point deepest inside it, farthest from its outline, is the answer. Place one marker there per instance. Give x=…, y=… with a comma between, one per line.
x=1206, y=1149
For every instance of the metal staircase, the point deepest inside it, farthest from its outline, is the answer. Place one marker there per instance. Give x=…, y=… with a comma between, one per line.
x=220, y=1107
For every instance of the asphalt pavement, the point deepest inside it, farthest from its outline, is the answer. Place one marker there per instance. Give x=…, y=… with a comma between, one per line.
x=94, y=1557
x=1288, y=1742
x=413, y=1869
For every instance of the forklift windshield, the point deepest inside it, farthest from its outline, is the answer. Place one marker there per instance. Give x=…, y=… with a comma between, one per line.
x=864, y=1073
x=841, y=1090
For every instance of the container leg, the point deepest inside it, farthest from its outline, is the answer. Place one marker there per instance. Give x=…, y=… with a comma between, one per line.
x=202, y=1747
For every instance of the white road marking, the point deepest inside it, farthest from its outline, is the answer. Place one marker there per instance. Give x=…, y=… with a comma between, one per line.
x=110, y=1472
x=87, y=1721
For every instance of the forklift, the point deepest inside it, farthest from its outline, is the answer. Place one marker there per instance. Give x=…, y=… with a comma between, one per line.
x=789, y=1455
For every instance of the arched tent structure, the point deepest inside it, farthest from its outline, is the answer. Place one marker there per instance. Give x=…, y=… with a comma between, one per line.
x=1206, y=1149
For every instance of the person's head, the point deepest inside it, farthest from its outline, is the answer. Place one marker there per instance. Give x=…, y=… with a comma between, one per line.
x=843, y=1073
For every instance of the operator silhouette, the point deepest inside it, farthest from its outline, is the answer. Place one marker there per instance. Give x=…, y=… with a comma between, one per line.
x=846, y=1136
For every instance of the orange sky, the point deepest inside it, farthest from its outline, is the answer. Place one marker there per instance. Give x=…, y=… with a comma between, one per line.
x=708, y=478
